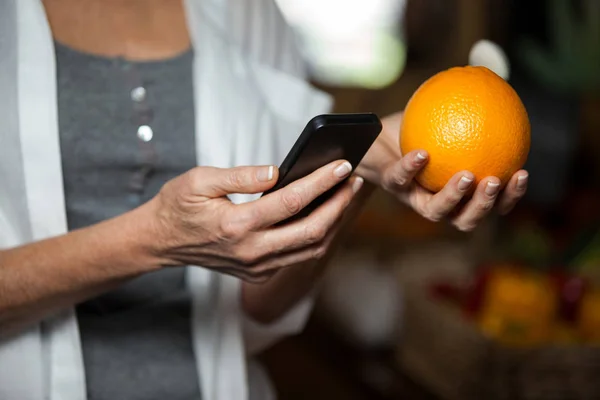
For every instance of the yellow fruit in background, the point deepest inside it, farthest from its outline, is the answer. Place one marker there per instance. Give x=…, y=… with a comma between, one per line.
x=519, y=307
x=588, y=322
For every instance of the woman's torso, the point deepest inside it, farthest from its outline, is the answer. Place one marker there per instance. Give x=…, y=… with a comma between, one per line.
x=246, y=61
x=126, y=127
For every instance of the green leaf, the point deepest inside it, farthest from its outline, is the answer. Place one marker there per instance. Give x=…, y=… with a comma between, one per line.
x=573, y=60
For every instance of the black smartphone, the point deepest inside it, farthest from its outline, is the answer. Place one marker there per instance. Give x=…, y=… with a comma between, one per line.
x=327, y=138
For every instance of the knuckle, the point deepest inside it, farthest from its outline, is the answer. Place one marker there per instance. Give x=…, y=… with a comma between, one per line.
x=320, y=252
x=255, y=276
x=465, y=226
x=247, y=218
x=196, y=174
x=395, y=178
x=227, y=232
x=433, y=216
x=194, y=178
x=246, y=259
x=236, y=178
x=231, y=228
x=421, y=208
x=400, y=181
x=452, y=199
x=259, y=274
x=315, y=233
x=249, y=257
x=292, y=202
x=485, y=206
x=251, y=279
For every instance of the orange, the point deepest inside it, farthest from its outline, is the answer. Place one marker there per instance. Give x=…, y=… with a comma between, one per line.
x=466, y=118
x=519, y=306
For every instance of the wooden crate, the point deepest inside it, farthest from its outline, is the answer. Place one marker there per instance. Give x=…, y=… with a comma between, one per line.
x=445, y=352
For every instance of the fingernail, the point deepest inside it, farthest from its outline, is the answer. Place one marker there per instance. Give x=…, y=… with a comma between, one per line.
x=421, y=157
x=522, y=182
x=491, y=189
x=265, y=174
x=357, y=184
x=343, y=170
x=464, y=183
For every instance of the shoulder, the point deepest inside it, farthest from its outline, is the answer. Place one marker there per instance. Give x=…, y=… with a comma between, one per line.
x=259, y=29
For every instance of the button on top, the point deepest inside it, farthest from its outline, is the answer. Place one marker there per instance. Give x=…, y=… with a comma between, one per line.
x=138, y=94
x=145, y=133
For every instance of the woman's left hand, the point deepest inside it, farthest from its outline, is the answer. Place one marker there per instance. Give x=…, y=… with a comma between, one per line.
x=386, y=167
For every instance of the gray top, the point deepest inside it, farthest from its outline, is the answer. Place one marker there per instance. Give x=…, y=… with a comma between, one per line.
x=136, y=339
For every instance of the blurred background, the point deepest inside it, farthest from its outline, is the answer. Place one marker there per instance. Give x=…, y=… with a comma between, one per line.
x=416, y=310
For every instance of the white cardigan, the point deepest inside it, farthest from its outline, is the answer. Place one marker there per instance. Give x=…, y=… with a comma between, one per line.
x=251, y=103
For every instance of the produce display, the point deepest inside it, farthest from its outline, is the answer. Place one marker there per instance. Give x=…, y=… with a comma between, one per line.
x=543, y=289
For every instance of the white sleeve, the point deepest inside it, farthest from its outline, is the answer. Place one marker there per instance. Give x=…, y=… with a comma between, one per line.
x=8, y=235
x=268, y=38
x=259, y=30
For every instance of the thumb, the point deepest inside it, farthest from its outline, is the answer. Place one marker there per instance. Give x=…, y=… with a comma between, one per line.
x=219, y=182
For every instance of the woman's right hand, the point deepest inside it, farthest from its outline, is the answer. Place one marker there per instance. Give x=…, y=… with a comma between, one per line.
x=196, y=224
x=190, y=222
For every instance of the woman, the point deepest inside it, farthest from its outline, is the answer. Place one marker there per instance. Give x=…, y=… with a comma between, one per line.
x=134, y=136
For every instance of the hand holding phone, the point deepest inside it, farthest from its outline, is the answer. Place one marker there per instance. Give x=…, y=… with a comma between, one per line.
x=327, y=138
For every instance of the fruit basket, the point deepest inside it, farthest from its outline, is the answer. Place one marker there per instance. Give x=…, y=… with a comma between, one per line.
x=449, y=354
x=514, y=332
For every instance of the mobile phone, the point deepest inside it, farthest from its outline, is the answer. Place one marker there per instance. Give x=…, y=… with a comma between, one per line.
x=327, y=138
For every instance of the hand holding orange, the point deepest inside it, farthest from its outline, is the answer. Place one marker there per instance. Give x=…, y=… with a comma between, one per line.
x=466, y=118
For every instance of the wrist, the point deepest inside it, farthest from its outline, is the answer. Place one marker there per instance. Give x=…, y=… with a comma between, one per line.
x=141, y=238
x=381, y=155
x=156, y=240
x=384, y=152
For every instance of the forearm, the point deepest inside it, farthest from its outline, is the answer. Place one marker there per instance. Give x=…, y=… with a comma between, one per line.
x=267, y=302
x=39, y=279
